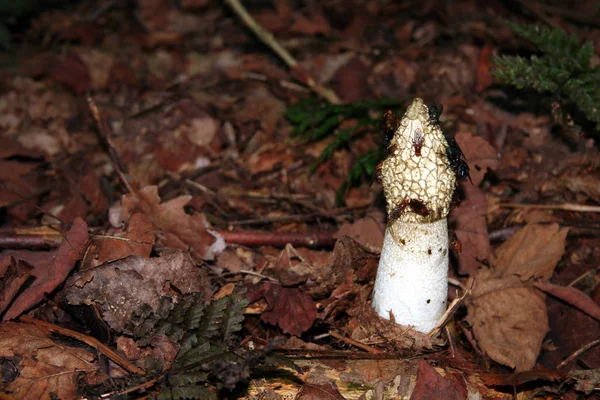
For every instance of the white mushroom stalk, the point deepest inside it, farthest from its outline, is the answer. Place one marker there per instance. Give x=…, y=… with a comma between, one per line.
x=418, y=182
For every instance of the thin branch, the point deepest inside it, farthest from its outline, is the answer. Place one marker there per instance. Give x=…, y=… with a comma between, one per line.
x=90, y=341
x=355, y=343
x=578, y=353
x=564, y=206
x=39, y=242
x=280, y=239
x=268, y=38
x=105, y=131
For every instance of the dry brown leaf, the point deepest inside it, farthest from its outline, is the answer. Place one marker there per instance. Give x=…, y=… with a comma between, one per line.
x=431, y=385
x=45, y=370
x=470, y=226
x=290, y=308
x=532, y=252
x=51, y=272
x=13, y=275
x=123, y=287
x=367, y=231
x=479, y=153
x=508, y=315
x=137, y=240
x=509, y=319
x=321, y=391
x=586, y=380
x=72, y=72
x=573, y=296
x=177, y=229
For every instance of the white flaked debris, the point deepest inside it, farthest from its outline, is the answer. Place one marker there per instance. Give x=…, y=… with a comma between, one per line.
x=408, y=176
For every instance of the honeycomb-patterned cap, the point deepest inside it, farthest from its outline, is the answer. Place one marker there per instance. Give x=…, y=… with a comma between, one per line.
x=417, y=181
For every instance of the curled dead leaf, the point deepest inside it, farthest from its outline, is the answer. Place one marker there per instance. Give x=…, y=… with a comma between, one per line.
x=508, y=315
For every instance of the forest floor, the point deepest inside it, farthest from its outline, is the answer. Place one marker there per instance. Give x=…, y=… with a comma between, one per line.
x=168, y=231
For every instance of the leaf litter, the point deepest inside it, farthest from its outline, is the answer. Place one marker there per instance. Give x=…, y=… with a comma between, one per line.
x=196, y=107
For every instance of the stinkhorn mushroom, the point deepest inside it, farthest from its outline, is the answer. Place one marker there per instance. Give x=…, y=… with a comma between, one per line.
x=418, y=180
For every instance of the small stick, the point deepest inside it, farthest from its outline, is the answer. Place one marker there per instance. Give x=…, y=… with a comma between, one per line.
x=355, y=343
x=246, y=238
x=578, y=353
x=564, y=206
x=280, y=239
x=90, y=341
x=281, y=51
x=105, y=132
x=39, y=242
x=144, y=385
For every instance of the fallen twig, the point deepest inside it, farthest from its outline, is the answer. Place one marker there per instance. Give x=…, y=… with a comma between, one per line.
x=578, y=353
x=282, y=52
x=564, y=206
x=280, y=239
x=355, y=343
x=104, y=132
x=90, y=341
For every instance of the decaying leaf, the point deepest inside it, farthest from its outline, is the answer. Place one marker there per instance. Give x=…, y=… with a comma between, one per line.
x=123, y=287
x=508, y=315
x=367, y=231
x=290, y=308
x=50, y=270
x=13, y=275
x=533, y=252
x=586, y=381
x=176, y=229
x=431, y=385
x=323, y=391
x=470, y=226
x=44, y=369
x=480, y=155
x=137, y=239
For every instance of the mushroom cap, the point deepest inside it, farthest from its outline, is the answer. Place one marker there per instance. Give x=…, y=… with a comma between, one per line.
x=417, y=179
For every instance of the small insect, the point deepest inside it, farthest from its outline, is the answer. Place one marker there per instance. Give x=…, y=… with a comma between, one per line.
x=389, y=124
x=434, y=114
x=463, y=171
x=456, y=159
x=418, y=142
x=397, y=211
x=417, y=206
x=454, y=241
x=378, y=171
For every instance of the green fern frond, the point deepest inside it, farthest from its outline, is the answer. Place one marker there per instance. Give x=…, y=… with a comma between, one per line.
x=212, y=317
x=233, y=316
x=314, y=120
x=364, y=165
x=198, y=355
x=563, y=68
x=209, y=358
x=194, y=315
x=187, y=379
x=187, y=392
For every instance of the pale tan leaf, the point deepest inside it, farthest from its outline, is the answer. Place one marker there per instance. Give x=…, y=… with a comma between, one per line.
x=509, y=320
x=533, y=252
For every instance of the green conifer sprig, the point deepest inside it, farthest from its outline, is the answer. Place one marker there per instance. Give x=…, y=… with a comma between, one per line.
x=563, y=68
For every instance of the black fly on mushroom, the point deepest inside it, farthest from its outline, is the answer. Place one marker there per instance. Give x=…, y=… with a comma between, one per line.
x=419, y=176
